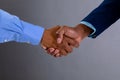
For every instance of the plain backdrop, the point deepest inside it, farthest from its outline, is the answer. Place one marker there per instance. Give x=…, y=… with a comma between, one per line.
x=95, y=59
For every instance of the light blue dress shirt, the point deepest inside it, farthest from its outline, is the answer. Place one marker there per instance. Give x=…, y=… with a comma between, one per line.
x=14, y=29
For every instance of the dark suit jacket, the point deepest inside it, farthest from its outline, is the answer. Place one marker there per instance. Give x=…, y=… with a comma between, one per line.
x=104, y=15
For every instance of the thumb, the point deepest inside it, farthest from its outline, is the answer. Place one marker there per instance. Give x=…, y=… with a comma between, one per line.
x=60, y=33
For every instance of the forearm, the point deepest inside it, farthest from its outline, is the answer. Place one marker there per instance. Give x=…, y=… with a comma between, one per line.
x=14, y=29
x=104, y=16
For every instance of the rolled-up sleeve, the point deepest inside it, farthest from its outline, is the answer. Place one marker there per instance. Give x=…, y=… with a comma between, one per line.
x=31, y=33
x=14, y=29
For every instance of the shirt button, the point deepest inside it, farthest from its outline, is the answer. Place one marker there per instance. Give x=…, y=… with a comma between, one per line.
x=5, y=40
x=28, y=42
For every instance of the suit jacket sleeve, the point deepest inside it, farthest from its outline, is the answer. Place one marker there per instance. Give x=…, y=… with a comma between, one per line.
x=104, y=15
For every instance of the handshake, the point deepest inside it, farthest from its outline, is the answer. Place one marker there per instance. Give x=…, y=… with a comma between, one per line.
x=60, y=40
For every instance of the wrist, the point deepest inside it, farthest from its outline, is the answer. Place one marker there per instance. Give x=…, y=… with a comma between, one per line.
x=43, y=36
x=83, y=30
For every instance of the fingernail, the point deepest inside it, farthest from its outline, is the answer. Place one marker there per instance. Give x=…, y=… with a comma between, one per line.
x=43, y=47
x=57, y=55
x=51, y=50
x=58, y=40
x=56, y=51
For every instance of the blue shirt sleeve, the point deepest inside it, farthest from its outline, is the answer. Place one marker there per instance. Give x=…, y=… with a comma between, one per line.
x=90, y=26
x=14, y=29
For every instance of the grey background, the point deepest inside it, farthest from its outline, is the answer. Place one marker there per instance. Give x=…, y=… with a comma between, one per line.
x=97, y=59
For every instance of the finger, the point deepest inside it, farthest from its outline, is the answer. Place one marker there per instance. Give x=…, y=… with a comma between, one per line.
x=68, y=48
x=43, y=47
x=65, y=49
x=72, y=42
x=63, y=52
x=58, y=55
x=60, y=33
x=56, y=51
x=51, y=50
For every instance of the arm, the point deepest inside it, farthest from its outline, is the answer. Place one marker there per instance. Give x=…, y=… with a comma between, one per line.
x=103, y=16
x=14, y=29
x=100, y=19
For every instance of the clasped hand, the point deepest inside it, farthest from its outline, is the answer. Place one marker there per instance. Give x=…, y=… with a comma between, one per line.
x=60, y=40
